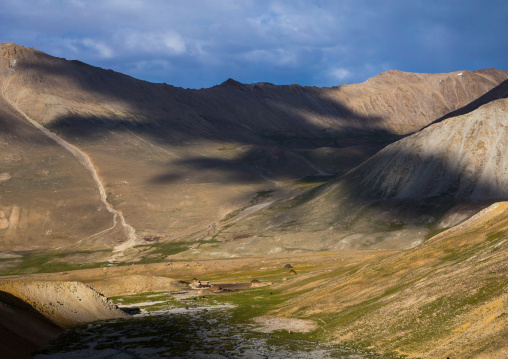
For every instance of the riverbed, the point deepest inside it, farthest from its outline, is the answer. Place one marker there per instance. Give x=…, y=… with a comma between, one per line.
x=167, y=325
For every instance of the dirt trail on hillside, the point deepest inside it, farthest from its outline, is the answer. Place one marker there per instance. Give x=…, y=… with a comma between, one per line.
x=87, y=163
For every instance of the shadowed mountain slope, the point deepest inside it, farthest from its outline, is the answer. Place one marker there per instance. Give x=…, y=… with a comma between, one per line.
x=414, y=187
x=22, y=328
x=176, y=162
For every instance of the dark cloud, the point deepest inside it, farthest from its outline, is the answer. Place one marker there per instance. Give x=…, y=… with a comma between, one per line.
x=200, y=43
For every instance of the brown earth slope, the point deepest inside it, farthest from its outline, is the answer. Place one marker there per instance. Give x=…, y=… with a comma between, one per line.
x=135, y=283
x=35, y=312
x=45, y=193
x=411, y=189
x=174, y=162
x=64, y=303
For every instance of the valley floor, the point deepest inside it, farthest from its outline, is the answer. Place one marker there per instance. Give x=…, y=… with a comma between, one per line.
x=173, y=325
x=444, y=298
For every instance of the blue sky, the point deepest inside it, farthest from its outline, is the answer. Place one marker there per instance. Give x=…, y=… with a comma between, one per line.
x=201, y=43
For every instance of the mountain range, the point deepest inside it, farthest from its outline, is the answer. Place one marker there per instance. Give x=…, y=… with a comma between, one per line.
x=176, y=164
x=391, y=196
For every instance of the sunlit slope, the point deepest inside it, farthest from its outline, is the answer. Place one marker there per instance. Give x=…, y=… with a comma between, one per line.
x=464, y=157
x=47, y=198
x=447, y=297
x=64, y=303
x=34, y=312
x=408, y=191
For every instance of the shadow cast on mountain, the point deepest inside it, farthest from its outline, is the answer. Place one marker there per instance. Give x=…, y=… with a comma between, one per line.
x=14, y=128
x=277, y=156
x=257, y=115
x=230, y=111
x=498, y=92
x=223, y=171
x=374, y=198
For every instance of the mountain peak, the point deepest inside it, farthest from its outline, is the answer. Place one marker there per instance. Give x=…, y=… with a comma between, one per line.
x=231, y=82
x=11, y=47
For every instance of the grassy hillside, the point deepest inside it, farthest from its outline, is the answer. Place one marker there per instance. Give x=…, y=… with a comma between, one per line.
x=446, y=297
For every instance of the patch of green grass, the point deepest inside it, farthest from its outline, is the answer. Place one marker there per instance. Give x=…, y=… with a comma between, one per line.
x=260, y=274
x=466, y=251
x=311, y=181
x=159, y=251
x=436, y=318
x=261, y=195
x=309, y=184
x=167, y=249
x=493, y=236
x=254, y=302
x=70, y=339
x=148, y=297
x=50, y=262
x=8, y=259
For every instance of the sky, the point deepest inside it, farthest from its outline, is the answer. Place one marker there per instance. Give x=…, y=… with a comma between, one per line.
x=201, y=43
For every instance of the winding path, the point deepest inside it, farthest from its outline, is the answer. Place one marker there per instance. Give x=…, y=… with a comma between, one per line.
x=87, y=163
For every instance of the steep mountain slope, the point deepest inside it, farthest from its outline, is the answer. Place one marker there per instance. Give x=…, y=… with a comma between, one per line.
x=35, y=312
x=174, y=162
x=421, y=184
x=58, y=89
x=445, y=298
x=22, y=328
x=463, y=157
x=64, y=303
